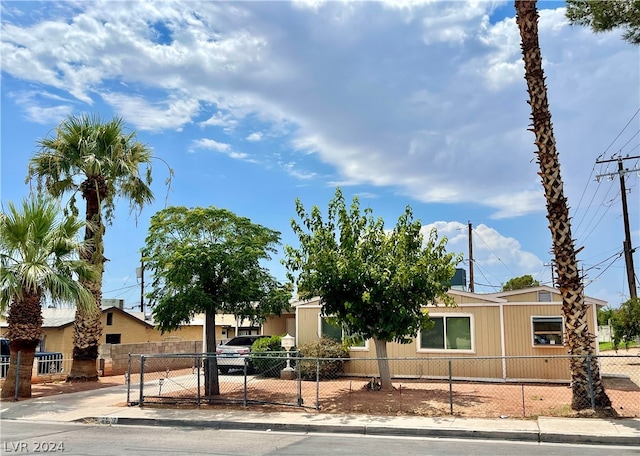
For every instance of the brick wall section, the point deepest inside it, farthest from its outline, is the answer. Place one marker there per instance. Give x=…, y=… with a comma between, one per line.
x=114, y=359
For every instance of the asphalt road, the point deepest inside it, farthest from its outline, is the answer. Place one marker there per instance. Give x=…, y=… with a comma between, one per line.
x=93, y=439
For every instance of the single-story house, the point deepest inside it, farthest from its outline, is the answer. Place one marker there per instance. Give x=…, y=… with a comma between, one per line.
x=122, y=327
x=506, y=336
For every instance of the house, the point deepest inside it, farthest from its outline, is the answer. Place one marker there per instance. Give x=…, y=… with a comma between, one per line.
x=506, y=336
x=120, y=327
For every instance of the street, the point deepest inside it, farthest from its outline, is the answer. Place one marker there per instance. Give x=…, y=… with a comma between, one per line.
x=94, y=439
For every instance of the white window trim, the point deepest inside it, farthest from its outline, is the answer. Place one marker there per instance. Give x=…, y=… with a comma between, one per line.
x=366, y=342
x=449, y=350
x=562, y=345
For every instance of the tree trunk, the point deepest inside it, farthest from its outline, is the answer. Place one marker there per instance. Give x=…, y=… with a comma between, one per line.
x=383, y=365
x=24, y=330
x=86, y=336
x=211, y=381
x=24, y=370
x=580, y=342
x=87, y=327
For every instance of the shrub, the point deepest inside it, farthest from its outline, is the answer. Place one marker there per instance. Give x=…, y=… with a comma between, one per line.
x=268, y=357
x=328, y=353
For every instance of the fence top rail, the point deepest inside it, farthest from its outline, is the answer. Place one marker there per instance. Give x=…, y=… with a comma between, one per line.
x=414, y=358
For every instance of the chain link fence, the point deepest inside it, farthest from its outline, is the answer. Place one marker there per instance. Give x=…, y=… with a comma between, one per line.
x=426, y=386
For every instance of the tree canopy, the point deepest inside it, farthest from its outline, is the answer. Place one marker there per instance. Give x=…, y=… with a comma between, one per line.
x=626, y=322
x=208, y=260
x=602, y=16
x=518, y=283
x=373, y=281
x=39, y=258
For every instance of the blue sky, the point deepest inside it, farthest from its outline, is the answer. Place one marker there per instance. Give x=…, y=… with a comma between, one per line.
x=420, y=103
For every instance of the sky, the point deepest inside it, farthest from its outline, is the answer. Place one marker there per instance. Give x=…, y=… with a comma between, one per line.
x=399, y=103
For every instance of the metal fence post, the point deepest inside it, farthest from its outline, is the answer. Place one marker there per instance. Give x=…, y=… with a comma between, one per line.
x=317, y=384
x=590, y=377
x=141, y=380
x=198, y=362
x=450, y=389
x=300, y=400
x=19, y=362
x=129, y=380
x=245, y=382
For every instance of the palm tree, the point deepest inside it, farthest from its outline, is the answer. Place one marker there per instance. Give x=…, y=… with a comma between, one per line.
x=39, y=256
x=102, y=162
x=585, y=371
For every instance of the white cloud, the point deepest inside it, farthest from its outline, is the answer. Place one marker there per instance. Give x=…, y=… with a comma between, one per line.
x=254, y=137
x=497, y=257
x=386, y=94
x=172, y=113
x=223, y=148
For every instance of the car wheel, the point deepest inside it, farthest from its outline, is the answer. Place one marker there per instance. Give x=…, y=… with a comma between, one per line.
x=224, y=370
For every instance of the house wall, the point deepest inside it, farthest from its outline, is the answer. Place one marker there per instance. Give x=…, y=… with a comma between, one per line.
x=276, y=325
x=486, y=335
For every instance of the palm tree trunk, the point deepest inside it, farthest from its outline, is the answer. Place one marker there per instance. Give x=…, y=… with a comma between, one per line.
x=86, y=336
x=585, y=371
x=87, y=326
x=24, y=331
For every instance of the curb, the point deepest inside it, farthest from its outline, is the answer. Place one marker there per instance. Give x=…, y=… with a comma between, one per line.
x=521, y=436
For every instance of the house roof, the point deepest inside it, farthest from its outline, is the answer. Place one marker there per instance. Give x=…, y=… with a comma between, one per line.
x=498, y=297
x=588, y=299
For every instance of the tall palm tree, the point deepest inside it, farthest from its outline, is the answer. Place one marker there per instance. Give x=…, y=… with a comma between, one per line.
x=39, y=256
x=102, y=162
x=585, y=371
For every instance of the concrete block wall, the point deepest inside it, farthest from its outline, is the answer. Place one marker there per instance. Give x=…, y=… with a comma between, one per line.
x=114, y=359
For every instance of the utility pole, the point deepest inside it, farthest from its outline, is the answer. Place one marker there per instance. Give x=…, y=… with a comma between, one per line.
x=471, y=286
x=553, y=276
x=140, y=275
x=626, y=245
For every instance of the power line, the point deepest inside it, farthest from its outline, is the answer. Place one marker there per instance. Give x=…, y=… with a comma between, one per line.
x=619, y=134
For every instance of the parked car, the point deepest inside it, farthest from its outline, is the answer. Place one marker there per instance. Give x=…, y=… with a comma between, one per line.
x=233, y=353
x=48, y=362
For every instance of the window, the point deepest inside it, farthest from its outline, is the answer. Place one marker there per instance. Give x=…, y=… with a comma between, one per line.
x=547, y=330
x=333, y=330
x=112, y=338
x=447, y=333
x=109, y=318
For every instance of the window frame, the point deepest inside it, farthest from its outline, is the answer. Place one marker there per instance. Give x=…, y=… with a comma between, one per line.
x=551, y=343
x=364, y=347
x=444, y=316
x=109, y=319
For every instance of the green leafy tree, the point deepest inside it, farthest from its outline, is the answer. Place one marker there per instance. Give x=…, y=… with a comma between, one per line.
x=602, y=16
x=208, y=260
x=102, y=162
x=580, y=342
x=626, y=323
x=605, y=315
x=39, y=257
x=519, y=283
x=375, y=283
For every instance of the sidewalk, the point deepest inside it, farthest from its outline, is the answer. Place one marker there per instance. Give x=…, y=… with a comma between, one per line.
x=107, y=407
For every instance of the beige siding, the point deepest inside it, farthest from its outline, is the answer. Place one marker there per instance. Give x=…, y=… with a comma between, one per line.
x=276, y=326
x=308, y=324
x=519, y=342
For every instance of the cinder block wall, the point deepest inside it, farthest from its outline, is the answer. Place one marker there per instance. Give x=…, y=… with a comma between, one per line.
x=114, y=359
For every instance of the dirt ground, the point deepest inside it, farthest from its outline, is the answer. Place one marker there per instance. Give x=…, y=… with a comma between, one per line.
x=417, y=398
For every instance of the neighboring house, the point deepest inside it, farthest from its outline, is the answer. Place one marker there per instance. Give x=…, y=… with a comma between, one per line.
x=122, y=327
x=493, y=329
